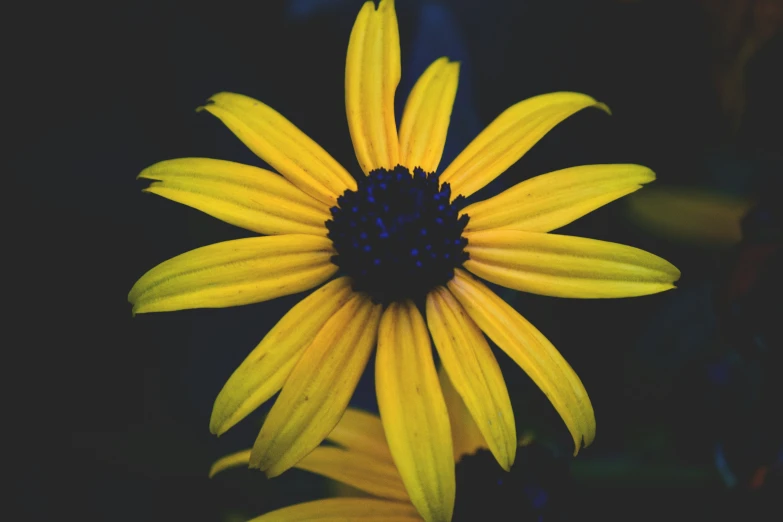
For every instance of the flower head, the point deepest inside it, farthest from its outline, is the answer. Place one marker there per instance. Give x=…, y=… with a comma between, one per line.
x=400, y=242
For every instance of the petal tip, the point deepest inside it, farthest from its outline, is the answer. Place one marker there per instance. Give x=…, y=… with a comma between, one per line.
x=219, y=424
x=604, y=107
x=217, y=429
x=507, y=462
x=273, y=471
x=210, y=101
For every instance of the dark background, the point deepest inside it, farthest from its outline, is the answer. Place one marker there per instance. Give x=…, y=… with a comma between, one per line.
x=108, y=414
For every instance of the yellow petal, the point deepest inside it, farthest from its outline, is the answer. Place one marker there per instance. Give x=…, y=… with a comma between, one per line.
x=318, y=389
x=361, y=432
x=691, y=216
x=235, y=273
x=509, y=137
x=552, y=200
x=413, y=411
x=464, y=432
x=474, y=373
x=360, y=471
x=425, y=120
x=344, y=510
x=282, y=145
x=532, y=352
x=245, y=196
x=566, y=266
x=266, y=369
x=235, y=460
x=372, y=72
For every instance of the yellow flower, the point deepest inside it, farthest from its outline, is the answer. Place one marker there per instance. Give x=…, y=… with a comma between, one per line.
x=361, y=458
x=401, y=239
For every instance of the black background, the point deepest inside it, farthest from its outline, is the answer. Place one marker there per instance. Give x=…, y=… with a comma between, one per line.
x=108, y=414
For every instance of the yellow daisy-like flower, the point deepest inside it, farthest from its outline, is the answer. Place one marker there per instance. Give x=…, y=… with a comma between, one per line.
x=361, y=458
x=400, y=237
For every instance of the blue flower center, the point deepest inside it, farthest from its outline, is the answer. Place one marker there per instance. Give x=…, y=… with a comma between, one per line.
x=397, y=235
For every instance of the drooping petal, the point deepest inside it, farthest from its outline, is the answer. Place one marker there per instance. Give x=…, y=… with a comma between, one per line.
x=425, y=120
x=566, y=266
x=532, y=352
x=361, y=432
x=413, y=411
x=234, y=273
x=509, y=137
x=319, y=387
x=241, y=195
x=376, y=477
x=235, y=460
x=266, y=369
x=281, y=144
x=464, y=432
x=474, y=373
x=344, y=510
x=372, y=72
x=552, y=200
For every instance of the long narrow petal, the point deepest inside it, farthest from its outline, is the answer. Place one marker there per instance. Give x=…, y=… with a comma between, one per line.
x=509, y=137
x=281, y=144
x=245, y=196
x=413, y=411
x=344, y=510
x=318, y=389
x=425, y=120
x=361, y=432
x=566, y=266
x=360, y=471
x=266, y=369
x=235, y=460
x=532, y=352
x=464, y=432
x=372, y=72
x=552, y=200
x=235, y=273
x=474, y=372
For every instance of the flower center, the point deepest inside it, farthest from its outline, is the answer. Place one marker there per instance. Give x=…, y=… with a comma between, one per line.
x=535, y=489
x=397, y=236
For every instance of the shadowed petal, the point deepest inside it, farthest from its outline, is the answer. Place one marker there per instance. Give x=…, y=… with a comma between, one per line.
x=344, y=510
x=361, y=432
x=235, y=460
x=360, y=471
x=690, y=216
x=464, y=432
